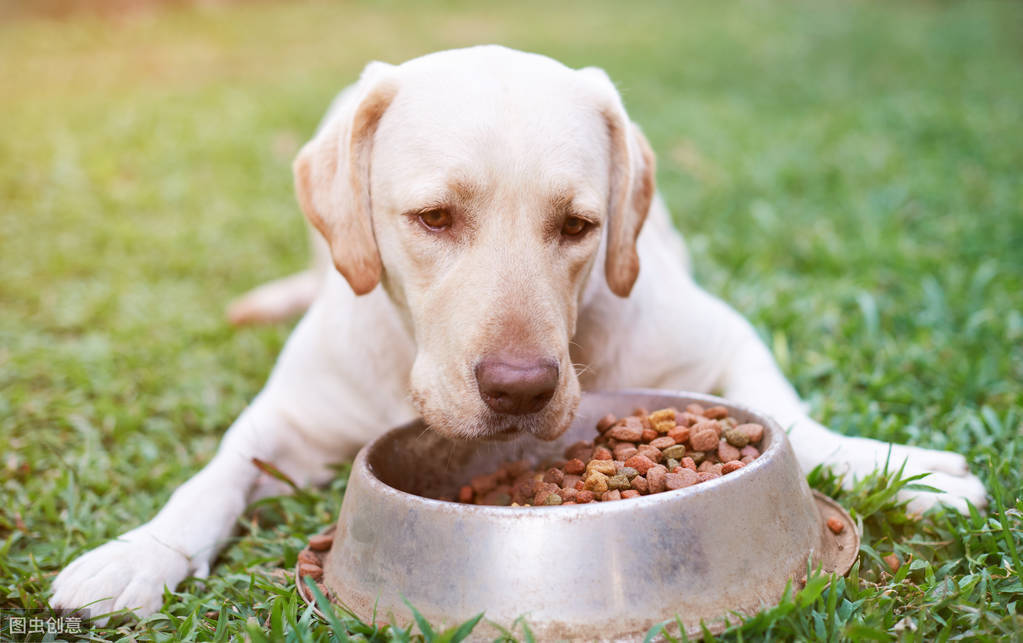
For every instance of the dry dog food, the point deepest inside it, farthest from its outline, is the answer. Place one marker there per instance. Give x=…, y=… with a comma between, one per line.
x=633, y=456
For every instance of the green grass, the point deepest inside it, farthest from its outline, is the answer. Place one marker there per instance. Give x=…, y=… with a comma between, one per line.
x=848, y=175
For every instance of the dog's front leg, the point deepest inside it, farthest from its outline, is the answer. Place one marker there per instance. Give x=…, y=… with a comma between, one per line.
x=131, y=571
x=751, y=376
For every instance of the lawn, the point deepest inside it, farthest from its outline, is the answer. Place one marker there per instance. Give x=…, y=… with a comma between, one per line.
x=848, y=175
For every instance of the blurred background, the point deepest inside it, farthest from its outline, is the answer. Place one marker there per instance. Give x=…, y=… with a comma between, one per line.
x=847, y=174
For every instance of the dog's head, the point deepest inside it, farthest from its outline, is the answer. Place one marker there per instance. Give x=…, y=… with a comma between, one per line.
x=480, y=186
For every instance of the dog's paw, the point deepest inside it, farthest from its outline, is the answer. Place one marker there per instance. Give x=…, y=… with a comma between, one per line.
x=946, y=471
x=128, y=574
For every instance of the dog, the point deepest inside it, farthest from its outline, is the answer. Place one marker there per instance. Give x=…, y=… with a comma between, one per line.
x=497, y=246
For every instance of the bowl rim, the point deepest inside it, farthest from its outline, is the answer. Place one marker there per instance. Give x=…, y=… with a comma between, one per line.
x=777, y=434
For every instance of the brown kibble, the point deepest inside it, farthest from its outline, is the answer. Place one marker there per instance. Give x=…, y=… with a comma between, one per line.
x=704, y=439
x=584, y=496
x=733, y=465
x=690, y=419
x=570, y=480
x=640, y=463
x=600, y=453
x=483, y=484
x=835, y=525
x=754, y=431
x=749, y=450
x=309, y=558
x=639, y=483
x=662, y=443
x=629, y=431
x=688, y=463
x=624, y=451
x=321, y=542
x=554, y=476
x=581, y=450
x=695, y=409
x=747, y=459
x=683, y=478
x=579, y=486
x=313, y=571
x=606, y=422
x=892, y=560
x=614, y=494
x=716, y=413
x=630, y=493
x=650, y=452
x=679, y=434
x=568, y=495
x=705, y=476
x=466, y=494
x=639, y=411
x=649, y=434
x=726, y=452
x=655, y=478
x=575, y=466
x=696, y=456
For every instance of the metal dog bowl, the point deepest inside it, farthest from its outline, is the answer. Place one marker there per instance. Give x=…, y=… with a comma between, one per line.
x=607, y=571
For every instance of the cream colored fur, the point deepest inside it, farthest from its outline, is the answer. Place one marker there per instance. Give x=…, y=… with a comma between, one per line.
x=510, y=142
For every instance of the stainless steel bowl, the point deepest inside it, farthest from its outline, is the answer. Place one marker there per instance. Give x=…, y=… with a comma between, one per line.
x=596, y=571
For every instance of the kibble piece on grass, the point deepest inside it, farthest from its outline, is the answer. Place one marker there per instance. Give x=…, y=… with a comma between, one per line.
x=737, y=438
x=835, y=525
x=893, y=562
x=703, y=439
x=675, y=452
x=312, y=571
x=321, y=542
x=752, y=430
x=308, y=557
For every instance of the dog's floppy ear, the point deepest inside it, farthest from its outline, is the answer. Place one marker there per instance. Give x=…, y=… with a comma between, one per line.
x=631, y=185
x=332, y=174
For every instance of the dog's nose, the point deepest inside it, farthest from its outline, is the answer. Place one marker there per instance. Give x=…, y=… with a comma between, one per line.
x=516, y=386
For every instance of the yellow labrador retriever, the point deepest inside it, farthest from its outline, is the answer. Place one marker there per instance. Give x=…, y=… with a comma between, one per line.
x=498, y=247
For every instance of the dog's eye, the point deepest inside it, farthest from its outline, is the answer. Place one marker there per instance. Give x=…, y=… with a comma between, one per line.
x=435, y=220
x=574, y=226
